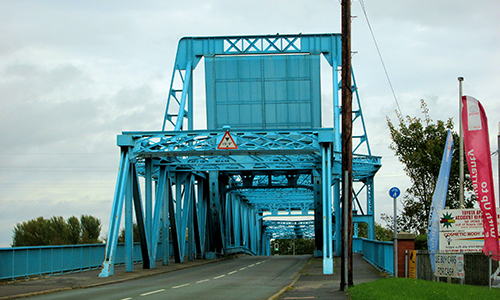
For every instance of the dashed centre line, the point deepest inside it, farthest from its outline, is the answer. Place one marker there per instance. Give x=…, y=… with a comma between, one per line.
x=153, y=292
x=204, y=280
x=201, y=281
x=182, y=285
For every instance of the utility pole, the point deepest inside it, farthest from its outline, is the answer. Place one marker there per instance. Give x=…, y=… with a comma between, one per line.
x=347, y=228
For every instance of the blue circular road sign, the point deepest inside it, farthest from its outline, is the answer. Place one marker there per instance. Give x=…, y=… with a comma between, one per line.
x=394, y=192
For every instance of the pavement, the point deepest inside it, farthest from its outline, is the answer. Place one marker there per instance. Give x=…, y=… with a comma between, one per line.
x=310, y=283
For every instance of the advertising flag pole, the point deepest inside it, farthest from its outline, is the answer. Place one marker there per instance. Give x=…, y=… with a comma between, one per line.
x=461, y=148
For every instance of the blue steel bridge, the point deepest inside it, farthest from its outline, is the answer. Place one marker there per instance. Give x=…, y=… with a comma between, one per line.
x=265, y=167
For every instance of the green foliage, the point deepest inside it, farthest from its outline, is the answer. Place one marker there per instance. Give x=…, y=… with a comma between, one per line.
x=57, y=231
x=135, y=229
x=32, y=232
x=421, y=242
x=409, y=289
x=75, y=230
x=419, y=145
x=381, y=233
x=286, y=246
x=91, y=229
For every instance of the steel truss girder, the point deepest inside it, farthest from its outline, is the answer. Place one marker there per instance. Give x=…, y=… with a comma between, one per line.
x=205, y=142
x=243, y=229
x=288, y=229
x=279, y=200
x=257, y=150
x=179, y=214
x=183, y=155
x=191, y=49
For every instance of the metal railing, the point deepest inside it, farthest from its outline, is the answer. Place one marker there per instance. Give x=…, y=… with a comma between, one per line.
x=18, y=262
x=476, y=268
x=380, y=254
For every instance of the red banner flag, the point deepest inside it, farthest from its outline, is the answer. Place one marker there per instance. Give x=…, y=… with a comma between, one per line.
x=477, y=150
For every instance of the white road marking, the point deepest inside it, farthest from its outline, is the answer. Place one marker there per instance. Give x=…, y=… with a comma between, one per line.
x=231, y=272
x=258, y=263
x=243, y=268
x=126, y=299
x=153, y=292
x=179, y=286
x=251, y=265
x=205, y=280
x=219, y=277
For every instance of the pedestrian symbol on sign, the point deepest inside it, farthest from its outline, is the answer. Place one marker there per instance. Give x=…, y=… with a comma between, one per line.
x=394, y=192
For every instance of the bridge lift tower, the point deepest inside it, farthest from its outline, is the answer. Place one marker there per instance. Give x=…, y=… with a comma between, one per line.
x=264, y=154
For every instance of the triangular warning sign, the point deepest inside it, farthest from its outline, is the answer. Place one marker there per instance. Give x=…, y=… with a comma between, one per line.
x=227, y=142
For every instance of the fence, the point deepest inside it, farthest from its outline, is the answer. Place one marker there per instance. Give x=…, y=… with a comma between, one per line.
x=380, y=254
x=29, y=261
x=476, y=267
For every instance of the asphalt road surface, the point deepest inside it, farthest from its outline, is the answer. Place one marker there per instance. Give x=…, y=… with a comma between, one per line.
x=243, y=278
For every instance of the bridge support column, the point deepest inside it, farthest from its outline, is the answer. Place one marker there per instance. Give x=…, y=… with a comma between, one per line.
x=166, y=223
x=217, y=238
x=129, y=232
x=318, y=213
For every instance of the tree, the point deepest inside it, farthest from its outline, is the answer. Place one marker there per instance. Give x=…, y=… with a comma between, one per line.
x=288, y=246
x=91, y=229
x=74, y=230
x=57, y=231
x=121, y=237
x=419, y=146
x=381, y=233
x=32, y=233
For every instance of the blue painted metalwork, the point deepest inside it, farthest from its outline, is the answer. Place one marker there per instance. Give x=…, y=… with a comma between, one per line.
x=289, y=229
x=258, y=92
x=19, y=262
x=264, y=91
x=191, y=49
x=378, y=253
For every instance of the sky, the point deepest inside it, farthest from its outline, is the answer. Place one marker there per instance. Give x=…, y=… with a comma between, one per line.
x=74, y=74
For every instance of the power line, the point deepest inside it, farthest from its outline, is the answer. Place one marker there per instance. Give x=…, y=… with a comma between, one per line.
x=380, y=55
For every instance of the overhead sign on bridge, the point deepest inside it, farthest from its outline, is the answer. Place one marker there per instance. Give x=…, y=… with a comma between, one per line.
x=227, y=142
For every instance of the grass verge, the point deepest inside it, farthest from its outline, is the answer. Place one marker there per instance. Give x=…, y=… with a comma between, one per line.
x=408, y=289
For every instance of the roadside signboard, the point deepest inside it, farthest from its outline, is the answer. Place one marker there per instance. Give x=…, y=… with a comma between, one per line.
x=461, y=241
x=461, y=230
x=412, y=264
x=450, y=265
x=461, y=219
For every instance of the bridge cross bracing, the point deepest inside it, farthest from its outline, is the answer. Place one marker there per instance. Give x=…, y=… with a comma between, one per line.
x=201, y=200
